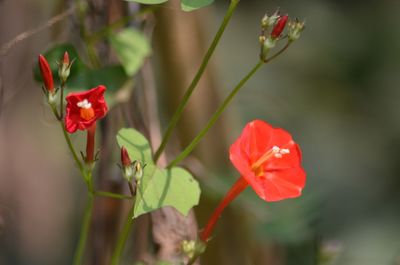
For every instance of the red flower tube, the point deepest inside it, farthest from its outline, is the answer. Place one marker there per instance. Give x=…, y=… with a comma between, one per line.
x=46, y=74
x=280, y=25
x=83, y=110
x=269, y=161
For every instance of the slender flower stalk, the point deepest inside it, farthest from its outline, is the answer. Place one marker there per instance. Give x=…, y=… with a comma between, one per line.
x=80, y=249
x=91, y=132
x=112, y=195
x=178, y=113
x=223, y=106
x=240, y=185
x=123, y=236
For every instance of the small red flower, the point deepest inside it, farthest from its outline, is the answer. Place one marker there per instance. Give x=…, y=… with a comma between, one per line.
x=46, y=74
x=280, y=25
x=269, y=160
x=85, y=108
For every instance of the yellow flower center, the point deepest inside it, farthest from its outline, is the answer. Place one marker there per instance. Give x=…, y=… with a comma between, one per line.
x=275, y=151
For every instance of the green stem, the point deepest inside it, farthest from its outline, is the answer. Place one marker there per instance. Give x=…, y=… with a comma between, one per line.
x=221, y=108
x=62, y=100
x=278, y=53
x=84, y=230
x=215, y=116
x=72, y=149
x=178, y=113
x=123, y=236
x=112, y=195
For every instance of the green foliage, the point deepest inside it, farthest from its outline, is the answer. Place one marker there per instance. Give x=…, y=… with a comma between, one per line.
x=166, y=187
x=190, y=5
x=186, y=5
x=132, y=47
x=159, y=187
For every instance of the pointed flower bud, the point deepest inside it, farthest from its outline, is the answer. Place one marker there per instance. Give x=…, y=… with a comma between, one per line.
x=126, y=163
x=295, y=29
x=66, y=58
x=64, y=68
x=125, y=160
x=46, y=74
x=280, y=25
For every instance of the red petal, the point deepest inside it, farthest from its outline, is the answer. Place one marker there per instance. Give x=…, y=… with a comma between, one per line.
x=279, y=185
x=255, y=139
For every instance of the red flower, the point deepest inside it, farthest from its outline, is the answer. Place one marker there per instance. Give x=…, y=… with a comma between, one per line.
x=280, y=25
x=85, y=108
x=46, y=74
x=269, y=160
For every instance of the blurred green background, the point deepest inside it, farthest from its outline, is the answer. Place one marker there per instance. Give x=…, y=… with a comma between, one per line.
x=336, y=90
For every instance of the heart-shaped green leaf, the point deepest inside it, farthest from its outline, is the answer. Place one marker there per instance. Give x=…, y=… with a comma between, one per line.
x=166, y=187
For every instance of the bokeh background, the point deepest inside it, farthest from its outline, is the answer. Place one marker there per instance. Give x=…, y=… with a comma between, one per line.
x=336, y=90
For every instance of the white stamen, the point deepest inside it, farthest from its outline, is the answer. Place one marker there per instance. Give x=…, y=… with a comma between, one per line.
x=278, y=152
x=85, y=104
x=275, y=149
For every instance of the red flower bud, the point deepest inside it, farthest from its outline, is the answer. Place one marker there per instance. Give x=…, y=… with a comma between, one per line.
x=64, y=68
x=125, y=160
x=46, y=73
x=279, y=26
x=66, y=58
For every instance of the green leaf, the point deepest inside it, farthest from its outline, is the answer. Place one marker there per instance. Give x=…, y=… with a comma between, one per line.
x=132, y=47
x=190, y=5
x=168, y=187
x=137, y=145
x=148, y=2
